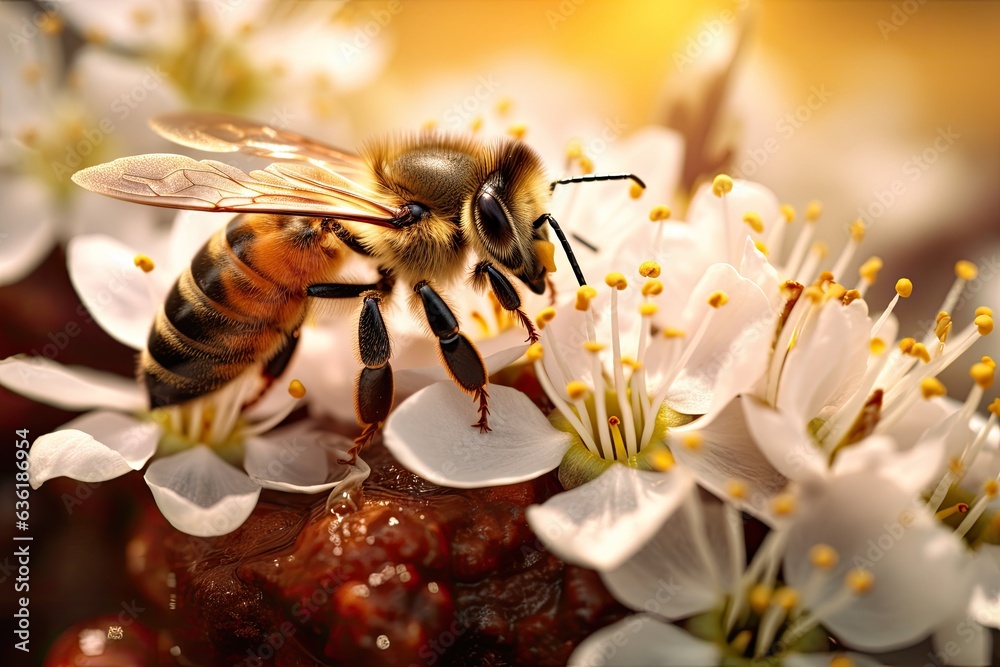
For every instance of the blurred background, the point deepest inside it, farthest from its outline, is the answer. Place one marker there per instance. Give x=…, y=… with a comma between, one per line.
x=884, y=111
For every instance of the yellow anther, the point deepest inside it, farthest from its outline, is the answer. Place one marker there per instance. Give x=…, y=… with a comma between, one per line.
x=760, y=598
x=943, y=327
x=754, y=222
x=736, y=489
x=904, y=288
x=31, y=73
x=788, y=212
x=544, y=316
x=741, y=642
x=649, y=269
x=814, y=209
x=296, y=389
x=616, y=280
x=535, y=352
x=984, y=323
x=860, y=582
x=991, y=488
x=630, y=362
x=835, y=291
x=476, y=124
x=783, y=504
x=984, y=310
x=876, y=346
x=858, y=231
x=504, y=105
x=813, y=293
x=762, y=247
x=574, y=149
x=994, y=407
x=989, y=361
x=820, y=249
x=671, y=332
x=577, y=390
x=869, y=270
x=647, y=308
x=584, y=294
x=661, y=459
x=95, y=36
x=652, y=287
x=586, y=164
x=144, y=263
x=545, y=251
x=850, y=296
x=786, y=597
x=693, y=441
x=659, y=212
x=983, y=374
x=931, y=387
x=823, y=556
x=429, y=124
x=593, y=346
x=718, y=299
x=919, y=350
x=722, y=185
x=955, y=466
x=824, y=277
x=635, y=190
x=518, y=130
x=842, y=660
x=50, y=23
x=907, y=344
x=966, y=270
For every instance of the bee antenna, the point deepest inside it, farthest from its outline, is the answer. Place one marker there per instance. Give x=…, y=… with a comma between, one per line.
x=564, y=242
x=590, y=178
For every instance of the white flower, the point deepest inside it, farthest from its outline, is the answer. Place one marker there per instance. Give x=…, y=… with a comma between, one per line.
x=610, y=451
x=197, y=490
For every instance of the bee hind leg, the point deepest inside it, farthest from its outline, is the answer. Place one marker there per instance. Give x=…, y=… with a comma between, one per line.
x=460, y=356
x=506, y=294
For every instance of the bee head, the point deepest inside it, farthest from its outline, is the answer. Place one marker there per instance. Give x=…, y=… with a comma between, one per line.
x=510, y=197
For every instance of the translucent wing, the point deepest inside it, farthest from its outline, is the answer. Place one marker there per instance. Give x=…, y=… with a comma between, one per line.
x=177, y=181
x=224, y=133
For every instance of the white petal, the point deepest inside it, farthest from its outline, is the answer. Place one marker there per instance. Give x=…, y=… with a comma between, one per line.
x=200, y=494
x=669, y=577
x=722, y=218
x=877, y=526
x=303, y=461
x=642, y=640
x=605, y=521
x=912, y=470
x=114, y=290
x=728, y=453
x=733, y=352
x=963, y=643
x=70, y=387
x=430, y=434
x=782, y=437
x=28, y=233
x=116, y=20
x=26, y=99
x=92, y=448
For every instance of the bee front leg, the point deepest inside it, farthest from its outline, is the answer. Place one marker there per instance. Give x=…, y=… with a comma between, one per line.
x=506, y=294
x=460, y=356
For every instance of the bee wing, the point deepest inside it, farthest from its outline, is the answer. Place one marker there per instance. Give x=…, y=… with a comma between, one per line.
x=177, y=181
x=224, y=133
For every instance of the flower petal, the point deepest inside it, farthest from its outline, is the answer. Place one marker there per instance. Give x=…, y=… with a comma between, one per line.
x=826, y=660
x=411, y=380
x=644, y=640
x=200, y=494
x=964, y=642
x=114, y=290
x=300, y=460
x=429, y=433
x=784, y=440
x=669, y=576
x=92, y=448
x=70, y=387
x=602, y=523
x=29, y=233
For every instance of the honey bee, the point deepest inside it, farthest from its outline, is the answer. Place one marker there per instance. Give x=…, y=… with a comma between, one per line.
x=417, y=205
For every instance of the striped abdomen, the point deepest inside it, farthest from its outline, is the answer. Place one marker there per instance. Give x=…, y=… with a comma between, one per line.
x=237, y=306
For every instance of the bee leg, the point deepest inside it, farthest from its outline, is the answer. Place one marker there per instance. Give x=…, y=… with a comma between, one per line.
x=276, y=365
x=374, y=386
x=506, y=294
x=460, y=356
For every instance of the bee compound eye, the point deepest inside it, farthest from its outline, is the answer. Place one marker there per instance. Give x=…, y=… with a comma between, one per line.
x=492, y=220
x=418, y=211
